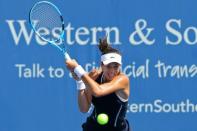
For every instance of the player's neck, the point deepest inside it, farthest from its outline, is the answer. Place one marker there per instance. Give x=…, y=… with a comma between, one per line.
x=103, y=79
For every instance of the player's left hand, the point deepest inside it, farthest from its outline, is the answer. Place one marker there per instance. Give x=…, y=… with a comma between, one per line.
x=95, y=73
x=75, y=76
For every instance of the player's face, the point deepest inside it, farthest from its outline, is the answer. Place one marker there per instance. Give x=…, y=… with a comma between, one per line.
x=111, y=70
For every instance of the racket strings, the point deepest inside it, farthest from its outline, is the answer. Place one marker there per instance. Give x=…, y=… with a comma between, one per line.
x=47, y=21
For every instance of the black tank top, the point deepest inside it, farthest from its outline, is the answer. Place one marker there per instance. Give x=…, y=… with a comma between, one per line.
x=110, y=105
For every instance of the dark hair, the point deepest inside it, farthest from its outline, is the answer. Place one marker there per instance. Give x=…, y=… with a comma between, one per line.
x=105, y=48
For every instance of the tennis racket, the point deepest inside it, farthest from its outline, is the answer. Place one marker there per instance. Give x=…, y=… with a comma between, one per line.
x=47, y=22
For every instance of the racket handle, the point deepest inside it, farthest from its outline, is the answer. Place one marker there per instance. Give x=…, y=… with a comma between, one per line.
x=66, y=55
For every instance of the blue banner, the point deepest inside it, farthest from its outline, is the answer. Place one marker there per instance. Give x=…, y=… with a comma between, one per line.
x=158, y=41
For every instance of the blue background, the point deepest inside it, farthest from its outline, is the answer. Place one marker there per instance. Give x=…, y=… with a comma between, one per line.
x=50, y=104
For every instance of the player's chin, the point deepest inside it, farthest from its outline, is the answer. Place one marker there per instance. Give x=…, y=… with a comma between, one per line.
x=110, y=77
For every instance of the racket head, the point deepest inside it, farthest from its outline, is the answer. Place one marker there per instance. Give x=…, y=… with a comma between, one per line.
x=47, y=22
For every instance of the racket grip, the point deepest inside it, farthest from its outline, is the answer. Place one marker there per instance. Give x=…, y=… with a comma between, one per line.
x=66, y=55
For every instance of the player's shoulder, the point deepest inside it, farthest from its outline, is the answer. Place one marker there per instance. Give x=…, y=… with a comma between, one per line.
x=122, y=77
x=121, y=80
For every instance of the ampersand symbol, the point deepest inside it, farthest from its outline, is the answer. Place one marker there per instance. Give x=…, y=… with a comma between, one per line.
x=140, y=25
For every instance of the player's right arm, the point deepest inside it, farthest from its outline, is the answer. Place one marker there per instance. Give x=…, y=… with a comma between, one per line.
x=84, y=100
x=85, y=96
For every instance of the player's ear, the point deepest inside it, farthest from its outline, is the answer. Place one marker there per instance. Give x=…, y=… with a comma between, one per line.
x=101, y=65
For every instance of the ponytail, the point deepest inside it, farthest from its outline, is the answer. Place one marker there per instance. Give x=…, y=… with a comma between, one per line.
x=105, y=48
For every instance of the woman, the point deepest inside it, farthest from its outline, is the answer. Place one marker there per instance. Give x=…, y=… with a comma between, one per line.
x=107, y=90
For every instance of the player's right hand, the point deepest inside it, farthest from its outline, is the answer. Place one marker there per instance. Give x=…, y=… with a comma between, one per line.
x=71, y=64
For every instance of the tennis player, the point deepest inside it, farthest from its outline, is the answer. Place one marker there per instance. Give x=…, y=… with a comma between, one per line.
x=107, y=89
